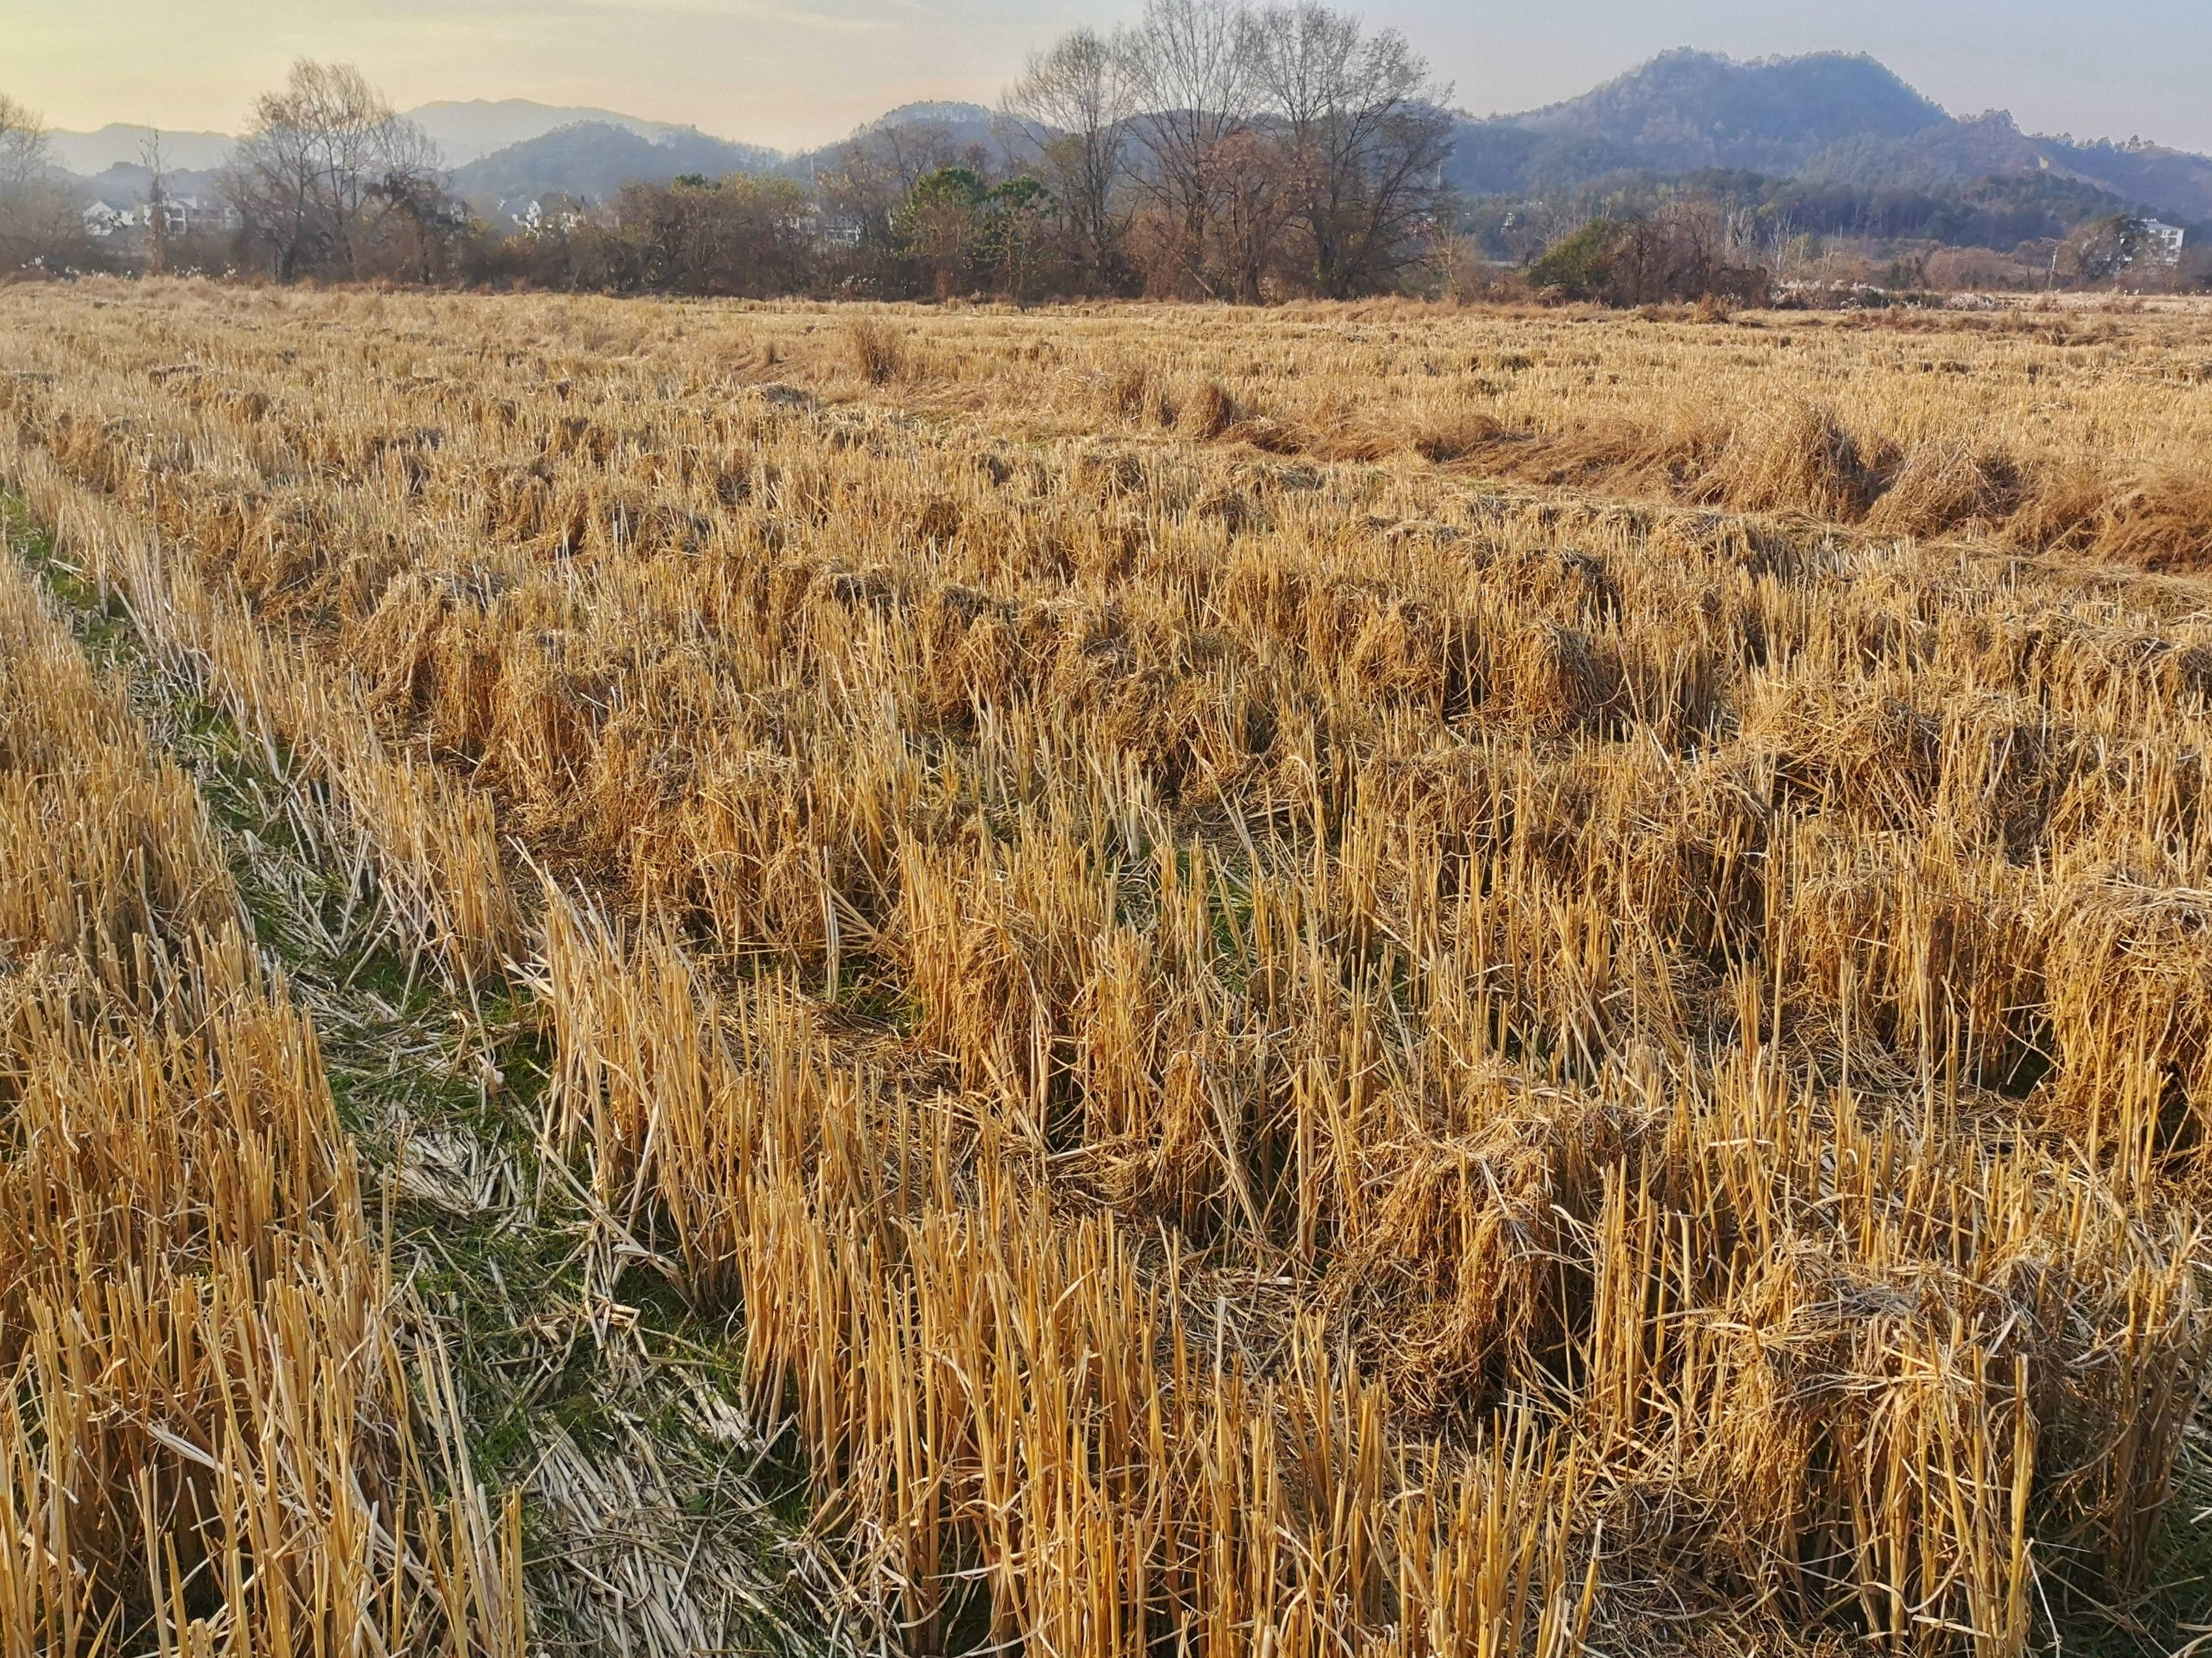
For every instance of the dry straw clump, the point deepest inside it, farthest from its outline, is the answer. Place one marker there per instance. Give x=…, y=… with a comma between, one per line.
x=1272, y=1047
x=878, y=350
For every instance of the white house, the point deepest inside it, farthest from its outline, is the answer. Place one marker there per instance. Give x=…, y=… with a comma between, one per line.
x=181, y=215
x=200, y=215
x=2162, y=242
x=555, y=212
x=104, y=219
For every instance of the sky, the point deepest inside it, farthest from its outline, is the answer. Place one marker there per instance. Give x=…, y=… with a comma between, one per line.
x=793, y=73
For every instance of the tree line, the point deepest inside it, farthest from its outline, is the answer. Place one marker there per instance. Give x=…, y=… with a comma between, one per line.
x=1212, y=149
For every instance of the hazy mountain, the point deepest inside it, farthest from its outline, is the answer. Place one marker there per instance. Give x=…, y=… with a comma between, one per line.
x=1497, y=158
x=2172, y=181
x=2175, y=180
x=126, y=184
x=468, y=131
x=1686, y=110
x=964, y=121
x=943, y=131
x=595, y=159
x=1830, y=118
x=86, y=154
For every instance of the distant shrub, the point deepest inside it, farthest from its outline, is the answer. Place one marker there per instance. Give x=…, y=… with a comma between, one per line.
x=1580, y=267
x=1679, y=255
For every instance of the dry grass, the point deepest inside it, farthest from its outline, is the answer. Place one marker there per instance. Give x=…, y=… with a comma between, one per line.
x=212, y=1436
x=1272, y=1047
x=878, y=352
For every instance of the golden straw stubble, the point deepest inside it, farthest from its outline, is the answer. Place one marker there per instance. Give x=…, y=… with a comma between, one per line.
x=1346, y=979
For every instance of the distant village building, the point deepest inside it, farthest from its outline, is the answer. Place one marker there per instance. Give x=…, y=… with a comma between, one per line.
x=2162, y=242
x=204, y=215
x=559, y=212
x=181, y=216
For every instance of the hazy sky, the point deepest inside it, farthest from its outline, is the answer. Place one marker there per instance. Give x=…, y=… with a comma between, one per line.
x=794, y=72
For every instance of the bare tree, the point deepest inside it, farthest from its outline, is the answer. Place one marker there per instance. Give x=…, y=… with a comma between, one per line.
x=1252, y=203
x=272, y=183
x=157, y=203
x=876, y=169
x=421, y=224
x=25, y=154
x=325, y=160
x=742, y=235
x=1193, y=64
x=35, y=212
x=1289, y=144
x=1366, y=134
x=1068, y=118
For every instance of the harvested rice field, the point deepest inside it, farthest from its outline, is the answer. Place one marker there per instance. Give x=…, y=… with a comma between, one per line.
x=1365, y=980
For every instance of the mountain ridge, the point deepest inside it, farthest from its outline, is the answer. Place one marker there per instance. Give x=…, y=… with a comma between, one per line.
x=1835, y=117
x=1686, y=109
x=86, y=154
x=595, y=159
x=1838, y=118
x=468, y=130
